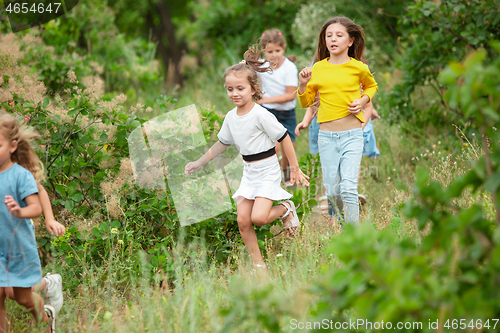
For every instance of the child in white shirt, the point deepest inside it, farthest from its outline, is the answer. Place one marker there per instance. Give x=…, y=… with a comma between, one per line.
x=254, y=131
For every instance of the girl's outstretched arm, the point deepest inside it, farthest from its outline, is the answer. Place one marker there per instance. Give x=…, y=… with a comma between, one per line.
x=31, y=211
x=305, y=121
x=311, y=112
x=54, y=227
x=367, y=113
x=288, y=96
x=296, y=175
x=213, y=152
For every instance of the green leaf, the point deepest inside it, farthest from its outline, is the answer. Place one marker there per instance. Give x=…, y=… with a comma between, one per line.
x=46, y=102
x=77, y=197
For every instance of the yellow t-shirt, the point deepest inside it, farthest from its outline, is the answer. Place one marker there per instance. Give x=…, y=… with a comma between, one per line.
x=338, y=86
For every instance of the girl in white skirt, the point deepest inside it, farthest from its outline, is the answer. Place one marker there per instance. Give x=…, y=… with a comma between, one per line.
x=254, y=131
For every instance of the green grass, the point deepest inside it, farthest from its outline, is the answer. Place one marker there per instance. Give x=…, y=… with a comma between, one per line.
x=204, y=296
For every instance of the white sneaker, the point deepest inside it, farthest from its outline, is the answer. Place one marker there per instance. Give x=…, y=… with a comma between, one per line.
x=51, y=313
x=53, y=291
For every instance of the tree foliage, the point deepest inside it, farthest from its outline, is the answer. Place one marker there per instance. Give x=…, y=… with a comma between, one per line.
x=434, y=33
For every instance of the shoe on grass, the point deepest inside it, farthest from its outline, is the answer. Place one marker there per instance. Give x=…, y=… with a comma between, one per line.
x=51, y=313
x=362, y=199
x=53, y=291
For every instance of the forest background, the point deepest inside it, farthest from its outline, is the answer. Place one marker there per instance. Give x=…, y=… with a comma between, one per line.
x=427, y=248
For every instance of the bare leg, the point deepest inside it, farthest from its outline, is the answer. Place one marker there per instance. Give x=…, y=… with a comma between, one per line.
x=39, y=287
x=3, y=318
x=259, y=212
x=264, y=213
x=36, y=289
x=32, y=302
x=244, y=210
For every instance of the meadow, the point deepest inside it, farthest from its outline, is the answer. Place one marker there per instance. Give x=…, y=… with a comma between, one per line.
x=426, y=250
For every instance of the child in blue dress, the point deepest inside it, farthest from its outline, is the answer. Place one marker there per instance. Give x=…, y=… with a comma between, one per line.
x=19, y=262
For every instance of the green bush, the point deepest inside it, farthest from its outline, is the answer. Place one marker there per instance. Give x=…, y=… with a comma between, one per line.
x=435, y=33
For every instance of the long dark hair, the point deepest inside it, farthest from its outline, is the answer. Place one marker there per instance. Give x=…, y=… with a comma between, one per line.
x=355, y=32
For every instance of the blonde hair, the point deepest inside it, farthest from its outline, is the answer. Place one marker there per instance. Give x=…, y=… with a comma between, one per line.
x=249, y=67
x=24, y=155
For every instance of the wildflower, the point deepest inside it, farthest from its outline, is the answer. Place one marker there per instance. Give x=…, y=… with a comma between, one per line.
x=114, y=230
x=72, y=76
x=120, y=241
x=279, y=255
x=43, y=146
x=466, y=145
x=26, y=119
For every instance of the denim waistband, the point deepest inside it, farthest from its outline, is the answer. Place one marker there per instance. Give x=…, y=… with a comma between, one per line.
x=341, y=134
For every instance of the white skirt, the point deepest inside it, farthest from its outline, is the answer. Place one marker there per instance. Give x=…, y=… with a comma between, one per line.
x=261, y=179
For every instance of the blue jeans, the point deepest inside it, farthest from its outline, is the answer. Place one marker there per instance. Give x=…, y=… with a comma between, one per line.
x=370, y=143
x=287, y=119
x=340, y=155
x=313, y=136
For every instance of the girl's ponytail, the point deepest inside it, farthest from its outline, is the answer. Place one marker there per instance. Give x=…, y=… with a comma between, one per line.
x=252, y=58
x=250, y=65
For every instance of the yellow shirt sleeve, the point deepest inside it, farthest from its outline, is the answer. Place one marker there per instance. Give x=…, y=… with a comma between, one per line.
x=307, y=98
x=370, y=86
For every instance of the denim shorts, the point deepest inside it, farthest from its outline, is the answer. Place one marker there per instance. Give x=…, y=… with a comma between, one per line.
x=370, y=148
x=287, y=119
x=340, y=155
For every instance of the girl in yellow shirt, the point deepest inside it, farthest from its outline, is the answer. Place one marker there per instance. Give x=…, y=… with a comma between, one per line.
x=337, y=76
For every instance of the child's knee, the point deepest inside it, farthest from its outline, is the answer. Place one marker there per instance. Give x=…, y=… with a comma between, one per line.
x=25, y=300
x=244, y=222
x=259, y=219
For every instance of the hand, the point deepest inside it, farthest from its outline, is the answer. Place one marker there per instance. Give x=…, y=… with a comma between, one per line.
x=55, y=228
x=375, y=115
x=356, y=106
x=263, y=100
x=297, y=175
x=191, y=167
x=302, y=125
x=12, y=206
x=305, y=75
